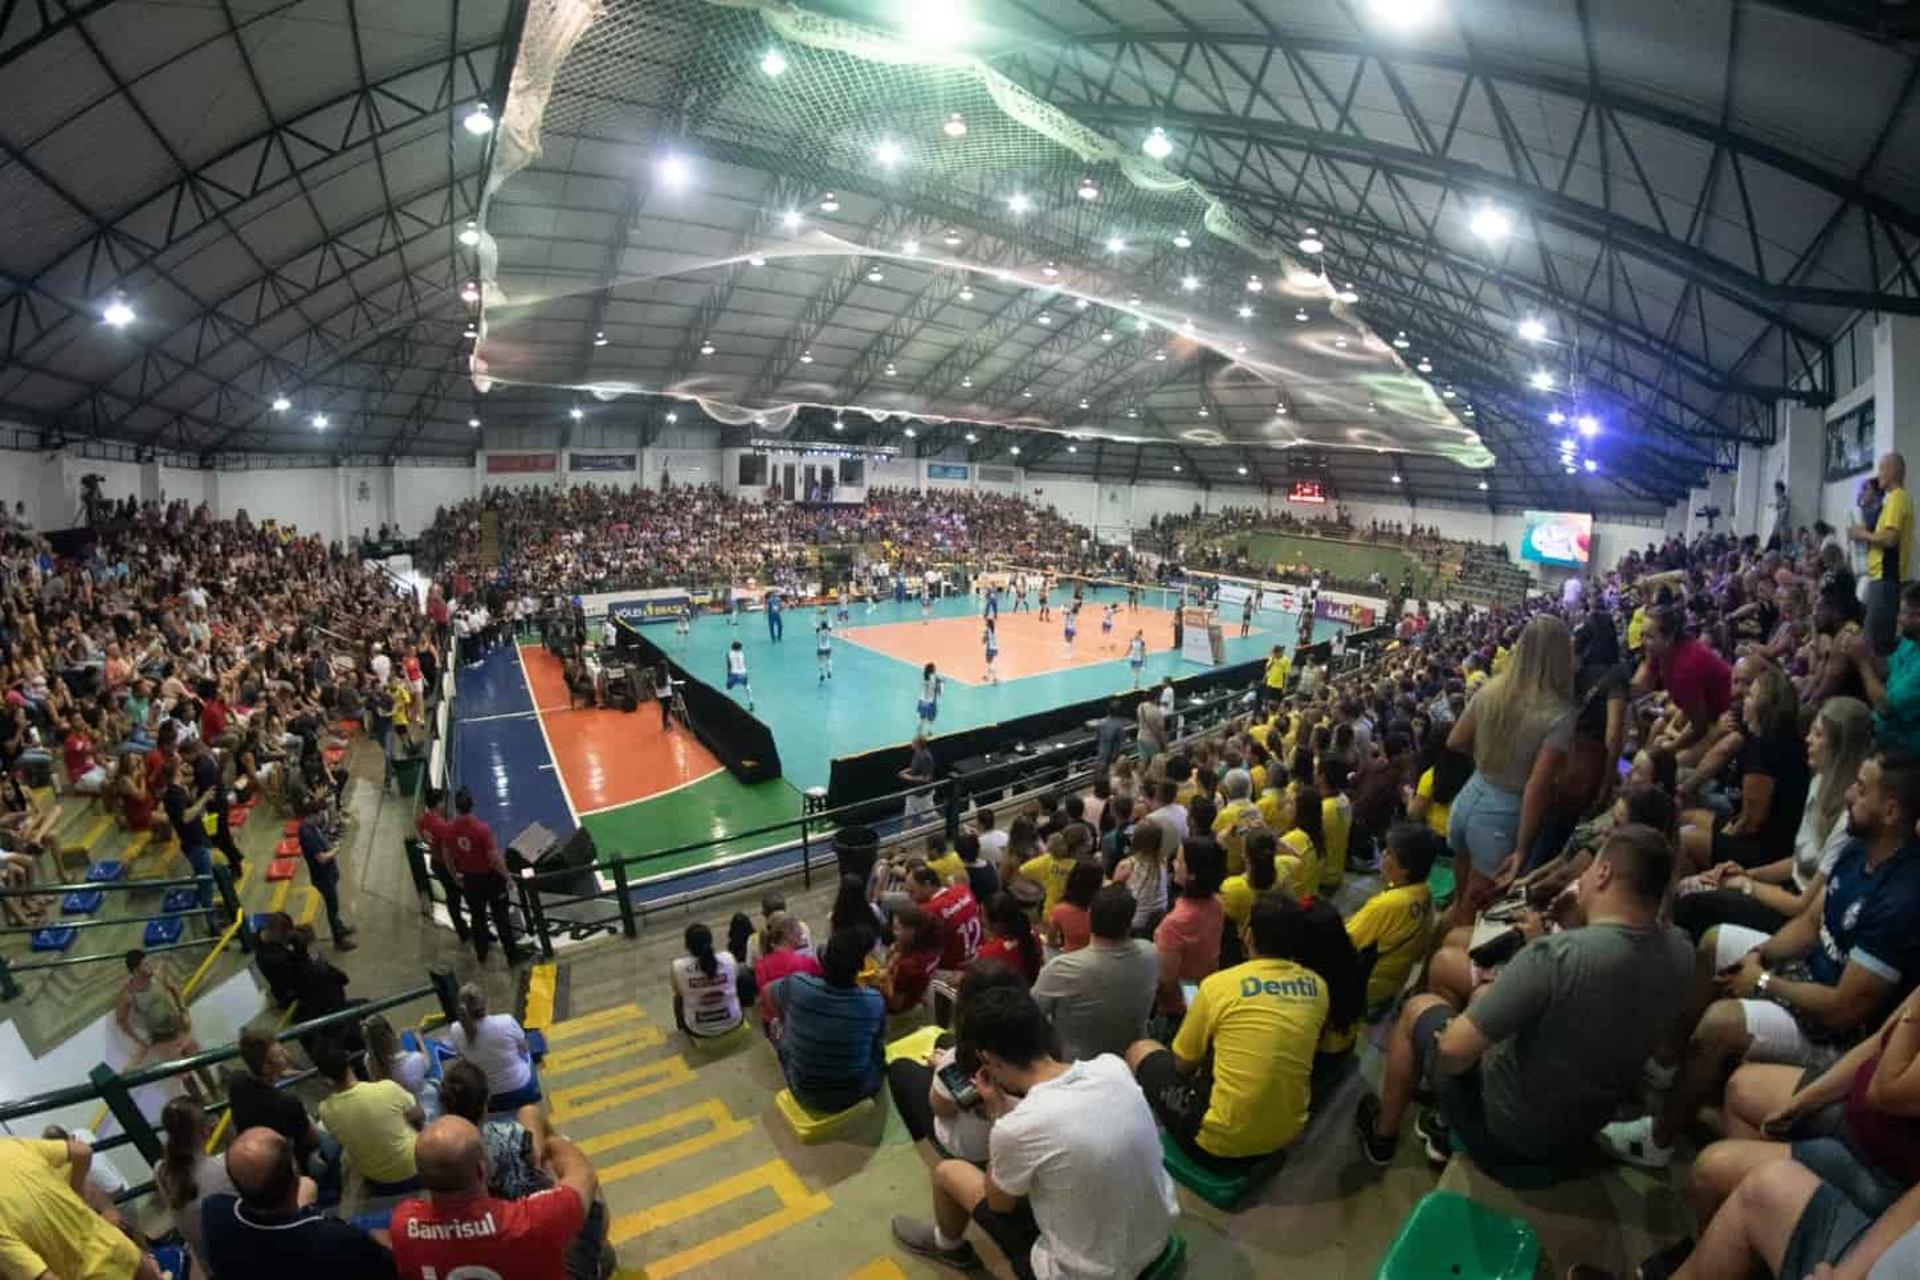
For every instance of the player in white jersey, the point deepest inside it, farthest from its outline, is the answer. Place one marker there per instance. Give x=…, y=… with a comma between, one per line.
x=737, y=672
x=1072, y=623
x=926, y=601
x=929, y=709
x=1106, y=625
x=1137, y=655
x=992, y=641
x=823, y=649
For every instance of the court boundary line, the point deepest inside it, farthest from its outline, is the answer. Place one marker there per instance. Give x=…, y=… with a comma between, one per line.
x=546, y=739
x=1119, y=658
x=647, y=799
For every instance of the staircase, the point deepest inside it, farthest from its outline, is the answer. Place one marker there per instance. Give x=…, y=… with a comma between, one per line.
x=700, y=1175
x=491, y=548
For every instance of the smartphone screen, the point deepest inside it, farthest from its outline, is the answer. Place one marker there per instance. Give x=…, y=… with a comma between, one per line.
x=1189, y=991
x=959, y=1084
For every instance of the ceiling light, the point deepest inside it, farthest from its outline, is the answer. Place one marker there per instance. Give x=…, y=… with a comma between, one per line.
x=474, y=423
x=1533, y=329
x=1569, y=468
x=1087, y=191
x=1133, y=413
x=1018, y=203
x=1049, y=271
x=471, y=331
x=470, y=293
x=1116, y=245
x=1203, y=411
x=1176, y=466
x=1045, y=318
x=1490, y=223
x=1181, y=240
x=1073, y=448
x=1134, y=299
x=1186, y=323
x=839, y=424
x=887, y=153
x=600, y=338
x=707, y=348
x=1588, y=424
x=1239, y=348
x=1348, y=295
x=966, y=295
x=1081, y=304
x=967, y=381
x=1160, y=354
x=1483, y=486
x=1241, y=470
x=1254, y=284
x=910, y=248
x=1014, y=450
x=1306, y=281
x=1341, y=342
x=1302, y=316
x=790, y=219
x=1083, y=402
x=1028, y=394
x=1281, y=408
x=1141, y=324
x=576, y=413
x=828, y=204
x=951, y=239
x=1591, y=466
x=955, y=127
x=972, y=438
x=1189, y=283
x=1157, y=144
x=1311, y=243
x=1402, y=14
x=1541, y=380
x=478, y=122
x=756, y=259
x=1447, y=393
x=1425, y=365
x=1400, y=341
x=674, y=172
x=1396, y=477
x=1556, y=417
x=875, y=275
x=806, y=357
x=773, y=62
x=1245, y=312
x=1106, y=335
x=281, y=404
x=470, y=236
x=672, y=418
x=1468, y=411
x=890, y=371
x=319, y=422
x=909, y=433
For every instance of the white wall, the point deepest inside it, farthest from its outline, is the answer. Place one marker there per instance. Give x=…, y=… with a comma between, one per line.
x=420, y=491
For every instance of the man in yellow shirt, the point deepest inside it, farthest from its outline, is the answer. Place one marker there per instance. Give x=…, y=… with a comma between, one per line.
x=1279, y=667
x=1234, y=1087
x=1238, y=815
x=376, y=1122
x=1390, y=930
x=1336, y=817
x=46, y=1229
x=944, y=861
x=1889, y=552
x=1050, y=869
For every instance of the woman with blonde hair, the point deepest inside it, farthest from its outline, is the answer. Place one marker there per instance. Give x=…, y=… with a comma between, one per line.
x=1517, y=729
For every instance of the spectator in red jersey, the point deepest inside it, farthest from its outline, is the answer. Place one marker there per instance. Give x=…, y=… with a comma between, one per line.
x=481, y=872
x=954, y=911
x=911, y=960
x=1697, y=680
x=433, y=829
x=84, y=773
x=1013, y=942
x=462, y=1229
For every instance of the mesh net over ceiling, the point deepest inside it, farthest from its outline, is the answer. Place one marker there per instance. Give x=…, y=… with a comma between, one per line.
x=1150, y=311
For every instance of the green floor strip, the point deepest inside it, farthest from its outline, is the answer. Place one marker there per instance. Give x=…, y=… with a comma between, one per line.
x=714, y=808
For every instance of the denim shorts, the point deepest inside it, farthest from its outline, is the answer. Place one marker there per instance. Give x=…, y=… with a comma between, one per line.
x=1484, y=823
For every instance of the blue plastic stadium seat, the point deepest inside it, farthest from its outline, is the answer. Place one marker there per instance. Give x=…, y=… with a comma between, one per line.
x=174, y=1261
x=56, y=937
x=183, y=898
x=537, y=1043
x=163, y=932
x=82, y=902
x=106, y=872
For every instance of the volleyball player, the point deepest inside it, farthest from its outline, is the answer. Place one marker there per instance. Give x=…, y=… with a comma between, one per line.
x=1071, y=619
x=930, y=685
x=992, y=640
x=926, y=601
x=1137, y=655
x=737, y=672
x=1133, y=596
x=1044, y=612
x=823, y=649
x=683, y=621
x=844, y=614
x=1246, y=617
x=1106, y=625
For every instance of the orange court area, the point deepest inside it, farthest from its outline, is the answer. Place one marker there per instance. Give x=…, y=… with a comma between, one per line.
x=1028, y=646
x=609, y=758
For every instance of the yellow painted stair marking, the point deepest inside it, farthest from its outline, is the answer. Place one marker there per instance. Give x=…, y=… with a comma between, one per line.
x=538, y=1015
x=278, y=900
x=579, y=1100
x=595, y=1052
x=136, y=845
x=879, y=1269
x=309, y=906
x=721, y=1127
x=797, y=1204
x=593, y=1022
x=86, y=842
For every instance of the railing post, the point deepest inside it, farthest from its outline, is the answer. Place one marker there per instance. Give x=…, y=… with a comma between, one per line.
x=627, y=924
x=9, y=988
x=531, y=910
x=230, y=900
x=446, y=988
x=114, y=1092
x=953, y=810
x=806, y=847
x=417, y=867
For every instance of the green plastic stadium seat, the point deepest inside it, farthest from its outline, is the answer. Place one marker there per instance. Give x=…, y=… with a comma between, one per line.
x=1449, y=1237
x=1221, y=1190
x=1171, y=1262
x=817, y=1126
x=1440, y=880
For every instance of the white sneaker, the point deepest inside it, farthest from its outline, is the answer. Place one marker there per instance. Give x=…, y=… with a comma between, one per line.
x=1631, y=1142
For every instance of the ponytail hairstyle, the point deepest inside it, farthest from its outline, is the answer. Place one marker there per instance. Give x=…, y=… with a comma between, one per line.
x=1308, y=816
x=699, y=941
x=739, y=929
x=383, y=1046
x=473, y=1007
x=181, y=1120
x=1011, y=921
x=1262, y=845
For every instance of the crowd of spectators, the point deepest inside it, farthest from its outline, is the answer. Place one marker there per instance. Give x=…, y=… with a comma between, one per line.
x=588, y=538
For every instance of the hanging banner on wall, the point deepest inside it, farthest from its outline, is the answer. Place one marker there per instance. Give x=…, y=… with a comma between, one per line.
x=1344, y=611
x=643, y=607
x=946, y=471
x=507, y=464
x=602, y=462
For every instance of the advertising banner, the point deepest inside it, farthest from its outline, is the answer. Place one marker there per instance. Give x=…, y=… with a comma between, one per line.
x=602, y=462
x=946, y=471
x=1273, y=599
x=1345, y=612
x=1196, y=645
x=639, y=608
x=507, y=464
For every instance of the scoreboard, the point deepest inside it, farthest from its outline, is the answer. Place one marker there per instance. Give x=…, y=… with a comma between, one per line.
x=1307, y=491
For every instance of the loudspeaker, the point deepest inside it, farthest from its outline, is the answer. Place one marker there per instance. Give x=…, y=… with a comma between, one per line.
x=576, y=854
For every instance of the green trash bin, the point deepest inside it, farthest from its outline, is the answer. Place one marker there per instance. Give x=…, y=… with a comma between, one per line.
x=407, y=773
x=1449, y=1237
